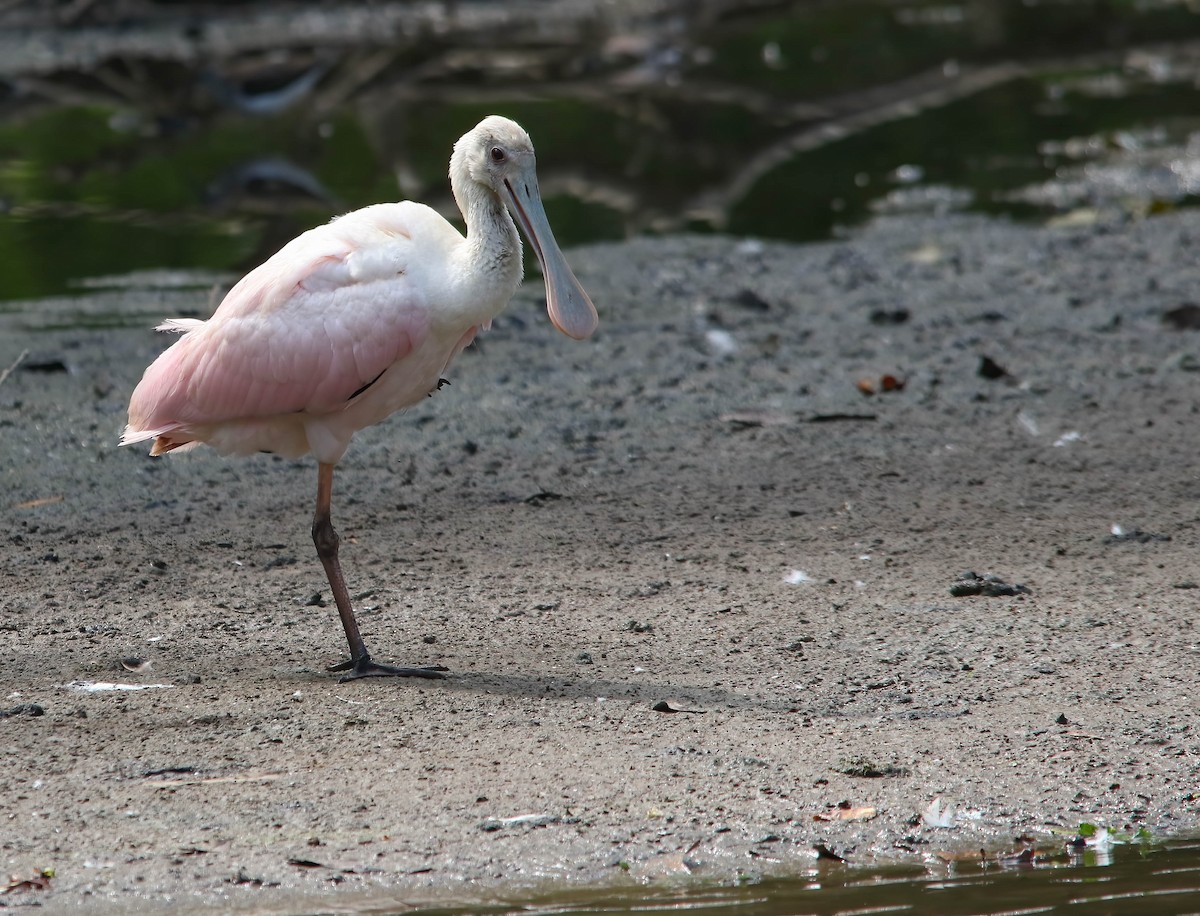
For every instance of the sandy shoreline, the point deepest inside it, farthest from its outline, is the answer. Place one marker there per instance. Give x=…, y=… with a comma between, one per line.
x=699, y=507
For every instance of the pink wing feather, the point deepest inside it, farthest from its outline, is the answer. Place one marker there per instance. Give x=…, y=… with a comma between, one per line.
x=304, y=332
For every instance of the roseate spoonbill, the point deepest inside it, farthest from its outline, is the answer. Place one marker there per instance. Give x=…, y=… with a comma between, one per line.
x=352, y=321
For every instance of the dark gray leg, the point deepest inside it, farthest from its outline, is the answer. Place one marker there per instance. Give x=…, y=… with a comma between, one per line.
x=326, y=539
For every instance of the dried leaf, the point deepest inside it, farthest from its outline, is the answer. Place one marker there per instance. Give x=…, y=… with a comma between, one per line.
x=34, y=503
x=952, y=856
x=39, y=882
x=673, y=863
x=847, y=812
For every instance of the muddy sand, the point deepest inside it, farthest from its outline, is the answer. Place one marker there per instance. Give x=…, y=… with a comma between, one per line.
x=700, y=507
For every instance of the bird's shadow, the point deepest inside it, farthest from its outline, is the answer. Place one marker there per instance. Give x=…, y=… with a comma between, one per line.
x=661, y=697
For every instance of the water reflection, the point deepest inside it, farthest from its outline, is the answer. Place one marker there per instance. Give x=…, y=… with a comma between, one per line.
x=1134, y=880
x=201, y=142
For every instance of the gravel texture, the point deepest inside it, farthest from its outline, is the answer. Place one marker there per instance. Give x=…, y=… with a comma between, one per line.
x=696, y=584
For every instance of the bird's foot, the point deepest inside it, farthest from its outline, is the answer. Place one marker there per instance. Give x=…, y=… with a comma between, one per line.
x=364, y=667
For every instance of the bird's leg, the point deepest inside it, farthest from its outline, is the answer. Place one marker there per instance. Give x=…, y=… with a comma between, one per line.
x=326, y=539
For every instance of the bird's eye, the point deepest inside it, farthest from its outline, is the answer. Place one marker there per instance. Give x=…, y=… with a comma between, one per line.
x=498, y=155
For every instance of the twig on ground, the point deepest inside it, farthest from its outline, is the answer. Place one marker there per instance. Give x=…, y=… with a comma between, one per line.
x=16, y=362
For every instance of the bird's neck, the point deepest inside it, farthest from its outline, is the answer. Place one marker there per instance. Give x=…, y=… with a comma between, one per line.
x=493, y=248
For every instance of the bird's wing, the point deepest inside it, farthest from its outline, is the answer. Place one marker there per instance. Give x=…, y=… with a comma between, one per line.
x=305, y=331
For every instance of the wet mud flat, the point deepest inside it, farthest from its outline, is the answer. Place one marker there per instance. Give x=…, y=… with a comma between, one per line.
x=907, y=516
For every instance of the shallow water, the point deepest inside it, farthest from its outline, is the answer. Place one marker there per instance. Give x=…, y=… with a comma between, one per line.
x=1137, y=879
x=776, y=120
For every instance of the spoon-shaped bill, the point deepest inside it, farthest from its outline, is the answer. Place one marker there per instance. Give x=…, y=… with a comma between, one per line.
x=570, y=307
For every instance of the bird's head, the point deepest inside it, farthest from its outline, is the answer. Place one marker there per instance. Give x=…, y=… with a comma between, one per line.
x=496, y=150
x=498, y=154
